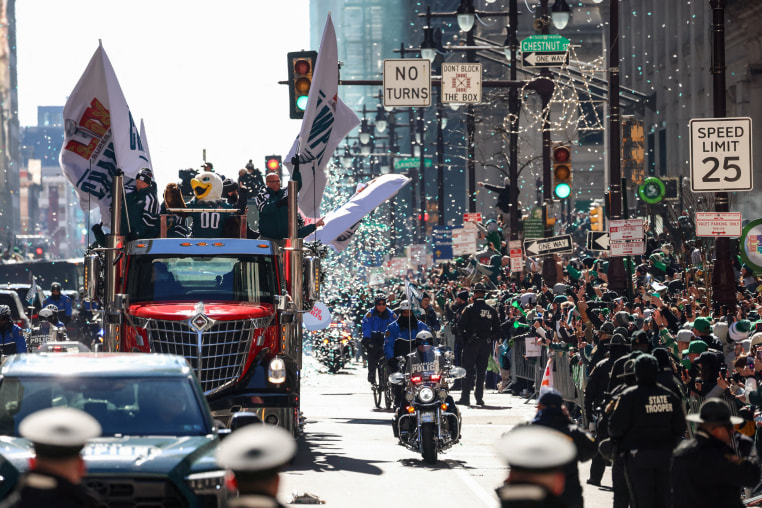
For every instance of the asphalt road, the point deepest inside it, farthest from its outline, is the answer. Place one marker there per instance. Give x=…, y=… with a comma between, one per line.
x=349, y=457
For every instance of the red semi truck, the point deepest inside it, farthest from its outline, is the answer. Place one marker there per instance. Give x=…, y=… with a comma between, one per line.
x=232, y=307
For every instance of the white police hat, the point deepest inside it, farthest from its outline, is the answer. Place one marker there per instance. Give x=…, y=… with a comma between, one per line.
x=404, y=305
x=536, y=448
x=256, y=448
x=59, y=430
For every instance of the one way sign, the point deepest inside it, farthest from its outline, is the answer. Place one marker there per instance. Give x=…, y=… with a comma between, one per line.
x=543, y=247
x=598, y=240
x=545, y=59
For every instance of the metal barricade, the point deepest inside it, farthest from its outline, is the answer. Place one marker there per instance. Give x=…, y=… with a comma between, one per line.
x=527, y=368
x=693, y=403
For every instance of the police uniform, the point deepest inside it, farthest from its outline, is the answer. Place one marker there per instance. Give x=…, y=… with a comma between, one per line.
x=480, y=323
x=256, y=454
x=374, y=326
x=58, y=434
x=647, y=422
x=533, y=451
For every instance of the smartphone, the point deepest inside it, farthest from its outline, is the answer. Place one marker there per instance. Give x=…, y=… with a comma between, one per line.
x=750, y=362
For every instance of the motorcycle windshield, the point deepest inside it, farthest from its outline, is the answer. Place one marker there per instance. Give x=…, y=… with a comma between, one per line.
x=427, y=362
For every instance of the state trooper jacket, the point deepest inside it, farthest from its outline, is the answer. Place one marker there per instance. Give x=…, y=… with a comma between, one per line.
x=647, y=416
x=480, y=321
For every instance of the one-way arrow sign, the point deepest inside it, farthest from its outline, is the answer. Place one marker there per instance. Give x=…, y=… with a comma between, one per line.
x=598, y=240
x=545, y=59
x=542, y=247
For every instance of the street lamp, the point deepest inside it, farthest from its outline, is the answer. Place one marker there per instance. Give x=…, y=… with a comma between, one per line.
x=347, y=158
x=364, y=132
x=381, y=121
x=466, y=15
x=560, y=13
x=429, y=46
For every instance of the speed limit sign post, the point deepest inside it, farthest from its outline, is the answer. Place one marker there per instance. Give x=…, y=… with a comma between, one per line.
x=720, y=150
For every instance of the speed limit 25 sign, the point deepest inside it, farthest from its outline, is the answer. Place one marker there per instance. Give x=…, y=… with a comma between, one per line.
x=721, y=154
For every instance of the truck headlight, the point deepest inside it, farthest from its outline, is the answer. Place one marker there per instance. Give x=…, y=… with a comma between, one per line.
x=209, y=481
x=276, y=372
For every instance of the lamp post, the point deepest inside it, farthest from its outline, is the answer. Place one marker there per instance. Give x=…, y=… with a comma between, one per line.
x=723, y=276
x=511, y=49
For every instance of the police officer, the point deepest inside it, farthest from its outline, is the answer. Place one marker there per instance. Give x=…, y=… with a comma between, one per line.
x=58, y=435
x=552, y=413
x=399, y=340
x=537, y=456
x=374, y=326
x=481, y=324
x=11, y=337
x=647, y=422
x=61, y=301
x=707, y=471
x=256, y=454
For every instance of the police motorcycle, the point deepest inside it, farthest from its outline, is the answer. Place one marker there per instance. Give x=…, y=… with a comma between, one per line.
x=332, y=348
x=47, y=330
x=427, y=420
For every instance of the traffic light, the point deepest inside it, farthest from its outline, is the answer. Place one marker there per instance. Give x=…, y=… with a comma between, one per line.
x=562, y=173
x=272, y=163
x=301, y=65
x=596, y=218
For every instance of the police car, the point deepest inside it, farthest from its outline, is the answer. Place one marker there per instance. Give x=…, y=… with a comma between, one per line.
x=158, y=437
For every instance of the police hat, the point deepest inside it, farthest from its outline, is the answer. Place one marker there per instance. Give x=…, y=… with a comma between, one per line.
x=256, y=448
x=463, y=295
x=59, y=432
x=551, y=398
x=607, y=327
x=480, y=287
x=536, y=448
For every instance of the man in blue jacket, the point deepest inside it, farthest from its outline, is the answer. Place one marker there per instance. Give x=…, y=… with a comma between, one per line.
x=11, y=339
x=374, y=326
x=400, y=336
x=61, y=301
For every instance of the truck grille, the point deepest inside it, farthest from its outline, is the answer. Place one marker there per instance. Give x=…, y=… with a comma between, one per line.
x=216, y=350
x=128, y=493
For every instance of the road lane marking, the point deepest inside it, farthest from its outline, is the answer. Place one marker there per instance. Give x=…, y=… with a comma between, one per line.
x=487, y=499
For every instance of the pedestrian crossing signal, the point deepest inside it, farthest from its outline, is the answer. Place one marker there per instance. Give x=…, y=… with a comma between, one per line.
x=301, y=65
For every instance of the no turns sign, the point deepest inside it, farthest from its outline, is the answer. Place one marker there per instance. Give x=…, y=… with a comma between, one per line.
x=407, y=82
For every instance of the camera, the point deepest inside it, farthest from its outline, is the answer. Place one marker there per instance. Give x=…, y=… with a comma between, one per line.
x=724, y=372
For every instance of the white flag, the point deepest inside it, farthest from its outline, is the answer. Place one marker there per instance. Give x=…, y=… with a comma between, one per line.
x=341, y=223
x=99, y=136
x=144, y=140
x=327, y=120
x=32, y=293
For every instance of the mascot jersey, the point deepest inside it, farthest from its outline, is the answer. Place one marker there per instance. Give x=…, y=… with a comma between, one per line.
x=207, y=190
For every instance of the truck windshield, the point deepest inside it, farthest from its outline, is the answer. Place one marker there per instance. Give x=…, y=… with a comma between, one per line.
x=197, y=278
x=126, y=406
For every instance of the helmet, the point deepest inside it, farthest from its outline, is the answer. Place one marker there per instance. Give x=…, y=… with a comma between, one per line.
x=404, y=305
x=56, y=286
x=81, y=290
x=379, y=299
x=5, y=311
x=145, y=175
x=52, y=308
x=46, y=313
x=424, y=337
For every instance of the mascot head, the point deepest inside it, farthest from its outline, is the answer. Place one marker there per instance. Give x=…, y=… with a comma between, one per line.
x=207, y=187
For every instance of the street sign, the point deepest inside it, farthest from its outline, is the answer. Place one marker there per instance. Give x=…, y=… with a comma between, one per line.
x=547, y=59
x=464, y=241
x=627, y=229
x=652, y=190
x=720, y=151
x=472, y=217
x=411, y=162
x=712, y=224
x=517, y=255
x=542, y=247
x=462, y=83
x=598, y=240
x=441, y=237
x=534, y=227
x=628, y=247
x=407, y=82
x=544, y=51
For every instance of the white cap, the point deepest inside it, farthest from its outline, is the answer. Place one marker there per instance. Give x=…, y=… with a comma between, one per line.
x=256, y=448
x=405, y=305
x=63, y=427
x=536, y=448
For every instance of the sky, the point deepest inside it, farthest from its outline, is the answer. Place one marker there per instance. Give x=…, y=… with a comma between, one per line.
x=201, y=75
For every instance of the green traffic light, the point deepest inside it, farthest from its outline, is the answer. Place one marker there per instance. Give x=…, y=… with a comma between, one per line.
x=562, y=190
x=301, y=102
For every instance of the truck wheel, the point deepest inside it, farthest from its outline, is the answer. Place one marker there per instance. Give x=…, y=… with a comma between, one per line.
x=428, y=447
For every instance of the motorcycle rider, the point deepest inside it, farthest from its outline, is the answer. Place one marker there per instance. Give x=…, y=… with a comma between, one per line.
x=50, y=327
x=374, y=326
x=61, y=301
x=11, y=338
x=398, y=341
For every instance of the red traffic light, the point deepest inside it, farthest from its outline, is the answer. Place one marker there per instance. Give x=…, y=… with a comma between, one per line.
x=273, y=162
x=39, y=251
x=561, y=154
x=302, y=66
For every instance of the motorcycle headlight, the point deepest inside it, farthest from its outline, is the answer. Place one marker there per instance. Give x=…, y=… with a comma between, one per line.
x=210, y=481
x=276, y=372
x=426, y=394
